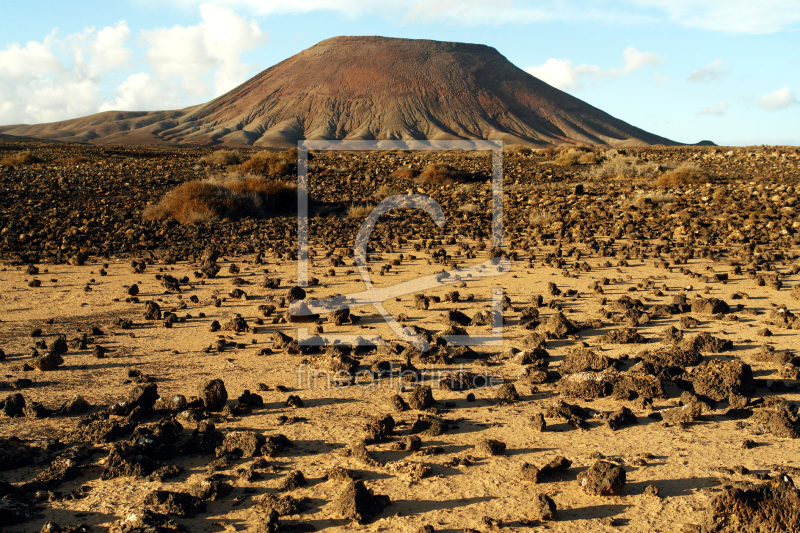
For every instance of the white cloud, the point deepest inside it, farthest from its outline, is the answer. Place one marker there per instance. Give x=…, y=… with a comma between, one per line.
x=562, y=74
x=730, y=16
x=33, y=60
x=777, y=100
x=62, y=78
x=660, y=78
x=711, y=72
x=716, y=109
x=39, y=84
x=143, y=92
x=191, y=53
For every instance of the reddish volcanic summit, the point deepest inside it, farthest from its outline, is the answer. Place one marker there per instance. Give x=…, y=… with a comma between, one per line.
x=369, y=88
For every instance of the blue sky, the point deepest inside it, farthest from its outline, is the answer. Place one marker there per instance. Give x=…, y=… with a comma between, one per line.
x=689, y=70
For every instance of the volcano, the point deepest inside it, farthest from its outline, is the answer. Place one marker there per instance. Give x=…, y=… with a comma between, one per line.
x=368, y=88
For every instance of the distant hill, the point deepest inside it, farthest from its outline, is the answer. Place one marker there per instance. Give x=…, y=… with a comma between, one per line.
x=368, y=88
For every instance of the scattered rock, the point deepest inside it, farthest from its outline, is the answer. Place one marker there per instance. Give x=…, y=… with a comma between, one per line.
x=602, y=479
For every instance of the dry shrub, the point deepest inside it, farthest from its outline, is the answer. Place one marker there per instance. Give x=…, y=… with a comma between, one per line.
x=517, y=149
x=359, y=212
x=405, y=173
x=590, y=158
x=232, y=196
x=223, y=158
x=623, y=167
x=384, y=191
x=685, y=174
x=270, y=163
x=440, y=174
x=568, y=158
x=20, y=158
x=71, y=160
x=540, y=217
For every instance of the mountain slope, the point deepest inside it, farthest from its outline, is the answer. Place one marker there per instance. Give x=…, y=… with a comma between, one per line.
x=369, y=88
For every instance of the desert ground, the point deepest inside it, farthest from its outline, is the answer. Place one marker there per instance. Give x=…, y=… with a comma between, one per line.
x=646, y=379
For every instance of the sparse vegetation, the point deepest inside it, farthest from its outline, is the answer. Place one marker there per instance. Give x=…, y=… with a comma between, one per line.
x=541, y=217
x=405, y=173
x=440, y=174
x=684, y=174
x=655, y=197
x=623, y=167
x=223, y=158
x=590, y=158
x=383, y=191
x=359, y=211
x=231, y=196
x=568, y=158
x=25, y=157
x=270, y=163
x=517, y=149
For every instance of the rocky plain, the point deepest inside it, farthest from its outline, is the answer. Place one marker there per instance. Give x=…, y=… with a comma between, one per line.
x=646, y=379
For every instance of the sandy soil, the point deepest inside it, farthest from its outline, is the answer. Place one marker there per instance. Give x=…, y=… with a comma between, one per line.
x=686, y=464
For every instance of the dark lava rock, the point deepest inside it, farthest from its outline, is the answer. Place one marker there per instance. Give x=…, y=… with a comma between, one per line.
x=242, y=443
x=535, y=474
x=100, y=429
x=623, y=336
x=558, y=326
x=293, y=480
x=543, y=507
x=128, y=460
x=621, y=418
x=146, y=521
x=507, y=392
x=669, y=357
x=378, y=429
x=213, y=394
x=275, y=444
x=491, y=447
x=718, y=378
x=538, y=422
x=750, y=508
x=175, y=503
x=48, y=361
x=421, y=398
x=776, y=421
x=143, y=396
x=358, y=503
x=14, y=453
x=36, y=410
x=58, y=346
x=296, y=293
x=580, y=359
x=457, y=318
x=575, y=415
x=13, y=405
x=602, y=479
x=75, y=405
x=152, y=311
x=710, y=306
x=429, y=426
x=210, y=490
x=65, y=467
x=630, y=386
x=283, y=505
x=705, y=343
x=587, y=385
x=15, y=505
